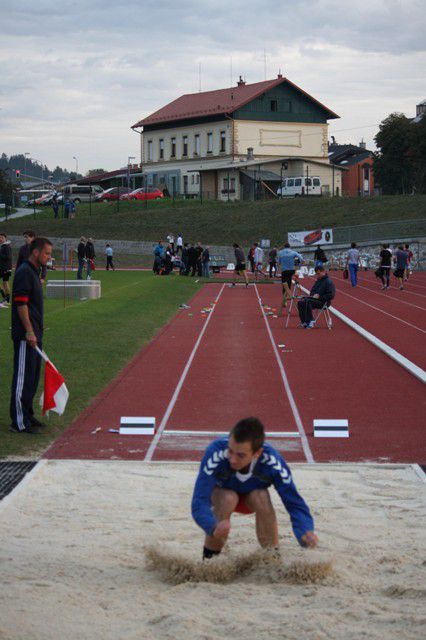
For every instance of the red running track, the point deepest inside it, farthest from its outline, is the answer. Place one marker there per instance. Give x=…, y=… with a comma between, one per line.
x=234, y=372
x=397, y=317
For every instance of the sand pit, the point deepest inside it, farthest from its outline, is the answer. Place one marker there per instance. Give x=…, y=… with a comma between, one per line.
x=108, y=550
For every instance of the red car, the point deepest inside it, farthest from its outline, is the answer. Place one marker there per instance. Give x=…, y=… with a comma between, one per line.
x=112, y=194
x=144, y=194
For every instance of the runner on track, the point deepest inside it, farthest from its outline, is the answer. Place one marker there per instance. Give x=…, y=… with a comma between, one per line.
x=286, y=259
x=234, y=476
x=240, y=265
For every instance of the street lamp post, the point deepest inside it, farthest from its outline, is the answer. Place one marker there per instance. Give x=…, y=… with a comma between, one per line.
x=128, y=170
x=76, y=165
x=25, y=162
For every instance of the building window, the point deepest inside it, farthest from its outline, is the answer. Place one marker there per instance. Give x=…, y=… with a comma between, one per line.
x=185, y=145
x=222, y=141
x=197, y=179
x=192, y=178
x=233, y=185
x=149, y=149
x=161, y=148
x=209, y=143
x=197, y=145
x=173, y=148
x=274, y=105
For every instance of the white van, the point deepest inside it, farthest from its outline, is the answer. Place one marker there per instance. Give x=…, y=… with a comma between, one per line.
x=300, y=186
x=81, y=193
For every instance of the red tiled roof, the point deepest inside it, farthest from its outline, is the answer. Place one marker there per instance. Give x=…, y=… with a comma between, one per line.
x=207, y=103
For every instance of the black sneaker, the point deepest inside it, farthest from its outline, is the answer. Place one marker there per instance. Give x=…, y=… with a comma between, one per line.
x=36, y=423
x=32, y=430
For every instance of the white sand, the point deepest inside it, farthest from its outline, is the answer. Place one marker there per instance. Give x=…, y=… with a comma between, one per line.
x=72, y=564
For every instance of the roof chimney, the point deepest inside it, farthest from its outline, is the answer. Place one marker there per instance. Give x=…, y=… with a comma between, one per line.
x=279, y=76
x=241, y=82
x=362, y=144
x=250, y=155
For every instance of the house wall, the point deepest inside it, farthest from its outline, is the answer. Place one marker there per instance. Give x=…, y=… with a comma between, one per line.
x=270, y=139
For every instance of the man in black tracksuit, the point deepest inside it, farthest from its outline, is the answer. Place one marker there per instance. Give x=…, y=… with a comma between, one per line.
x=27, y=333
x=90, y=256
x=321, y=293
x=192, y=260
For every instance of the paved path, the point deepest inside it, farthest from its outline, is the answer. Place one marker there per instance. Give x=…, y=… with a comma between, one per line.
x=20, y=212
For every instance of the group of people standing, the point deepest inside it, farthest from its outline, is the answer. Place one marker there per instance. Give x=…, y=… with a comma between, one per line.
x=189, y=258
x=86, y=258
x=400, y=258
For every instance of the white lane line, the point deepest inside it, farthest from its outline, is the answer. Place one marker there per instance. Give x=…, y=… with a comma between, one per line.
x=305, y=444
x=268, y=434
x=412, y=368
x=413, y=326
x=396, y=289
x=175, y=395
x=389, y=296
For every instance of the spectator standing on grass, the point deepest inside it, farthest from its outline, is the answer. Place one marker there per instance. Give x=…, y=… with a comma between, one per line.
x=319, y=256
x=287, y=258
x=90, y=257
x=401, y=263
x=199, y=259
x=184, y=260
x=24, y=254
x=27, y=333
x=240, y=265
x=273, y=262
x=81, y=257
x=168, y=260
x=409, y=258
x=72, y=209
x=192, y=260
x=250, y=258
x=171, y=241
x=205, y=260
x=67, y=208
x=109, y=253
x=55, y=206
x=385, y=266
x=179, y=244
x=322, y=292
x=353, y=261
x=5, y=269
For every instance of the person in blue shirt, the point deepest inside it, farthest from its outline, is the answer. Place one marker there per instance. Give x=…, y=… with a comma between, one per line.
x=234, y=476
x=287, y=259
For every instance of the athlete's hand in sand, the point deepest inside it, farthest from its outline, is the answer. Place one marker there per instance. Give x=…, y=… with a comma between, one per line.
x=309, y=539
x=222, y=529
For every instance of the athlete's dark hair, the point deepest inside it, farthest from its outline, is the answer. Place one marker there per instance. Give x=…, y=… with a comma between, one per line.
x=235, y=245
x=39, y=243
x=29, y=233
x=287, y=245
x=319, y=268
x=249, y=430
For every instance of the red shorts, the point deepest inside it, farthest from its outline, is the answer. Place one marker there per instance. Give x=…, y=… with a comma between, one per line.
x=242, y=507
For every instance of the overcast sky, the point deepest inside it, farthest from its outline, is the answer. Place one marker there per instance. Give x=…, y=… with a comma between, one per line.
x=75, y=75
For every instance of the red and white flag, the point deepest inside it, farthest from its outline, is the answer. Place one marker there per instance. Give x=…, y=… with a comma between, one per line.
x=55, y=395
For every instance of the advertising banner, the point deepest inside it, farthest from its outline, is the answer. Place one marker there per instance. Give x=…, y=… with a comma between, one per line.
x=310, y=238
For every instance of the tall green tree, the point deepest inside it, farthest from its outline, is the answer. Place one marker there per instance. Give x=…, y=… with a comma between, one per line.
x=392, y=164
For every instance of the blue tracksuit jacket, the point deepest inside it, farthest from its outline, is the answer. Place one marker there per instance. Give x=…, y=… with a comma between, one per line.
x=270, y=469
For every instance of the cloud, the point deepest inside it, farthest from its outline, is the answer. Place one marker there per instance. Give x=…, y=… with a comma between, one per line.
x=77, y=72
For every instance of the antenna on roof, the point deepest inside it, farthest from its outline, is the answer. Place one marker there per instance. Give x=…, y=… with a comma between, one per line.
x=264, y=64
x=230, y=71
x=199, y=77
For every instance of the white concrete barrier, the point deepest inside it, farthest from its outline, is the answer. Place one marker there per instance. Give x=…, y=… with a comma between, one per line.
x=75, y=289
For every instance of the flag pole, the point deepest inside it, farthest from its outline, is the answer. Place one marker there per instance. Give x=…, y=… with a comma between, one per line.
x=42, y=354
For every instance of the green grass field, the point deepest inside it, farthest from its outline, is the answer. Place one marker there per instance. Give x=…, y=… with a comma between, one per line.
x=90, y=342
x=220, y=223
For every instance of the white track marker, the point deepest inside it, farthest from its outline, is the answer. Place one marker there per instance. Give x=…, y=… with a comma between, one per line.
x=268, y=434
x=137, y=426
x=305, y=444
x=331, y=428
x=412, y=368
x=156, y=438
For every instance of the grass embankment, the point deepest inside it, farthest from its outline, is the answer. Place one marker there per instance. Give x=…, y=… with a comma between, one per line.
x=90, y=342
x=220, y=223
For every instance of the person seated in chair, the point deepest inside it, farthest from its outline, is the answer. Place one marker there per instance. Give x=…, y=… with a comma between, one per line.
x=321, y=293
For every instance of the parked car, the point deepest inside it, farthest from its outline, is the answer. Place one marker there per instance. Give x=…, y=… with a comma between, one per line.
x=81, y=193
x=144, y=194
x=112, y=194
x=300, y=186
x=46, y=199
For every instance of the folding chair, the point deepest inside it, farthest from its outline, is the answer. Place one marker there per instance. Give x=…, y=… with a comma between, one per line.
x=295, y=296
x=325, y=311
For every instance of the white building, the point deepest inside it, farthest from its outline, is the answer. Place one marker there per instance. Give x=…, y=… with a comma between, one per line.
x=273, y=126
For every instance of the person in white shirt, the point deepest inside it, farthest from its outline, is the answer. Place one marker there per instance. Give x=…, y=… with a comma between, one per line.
x=353, y=261
x=179, y=244
x=258, y=261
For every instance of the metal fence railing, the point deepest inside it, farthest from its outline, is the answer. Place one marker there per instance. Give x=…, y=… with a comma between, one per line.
x=380, y=231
